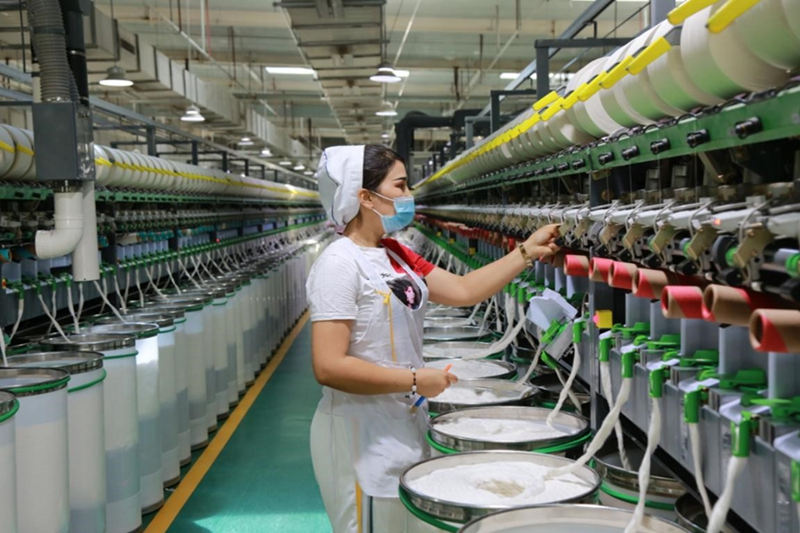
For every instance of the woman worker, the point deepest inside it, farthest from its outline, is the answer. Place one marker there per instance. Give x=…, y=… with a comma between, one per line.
x=367, y=335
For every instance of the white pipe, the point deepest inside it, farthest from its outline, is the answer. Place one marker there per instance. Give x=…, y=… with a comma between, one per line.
x=85, y=262
x=68, y=227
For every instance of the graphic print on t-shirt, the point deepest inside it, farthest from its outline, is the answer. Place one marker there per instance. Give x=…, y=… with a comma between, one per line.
x=406, y=291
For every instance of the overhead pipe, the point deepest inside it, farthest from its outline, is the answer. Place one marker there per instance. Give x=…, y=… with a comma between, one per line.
x=775, y=330
x=68, y=230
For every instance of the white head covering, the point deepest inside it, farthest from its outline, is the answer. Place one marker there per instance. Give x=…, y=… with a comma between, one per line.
x=340, y=176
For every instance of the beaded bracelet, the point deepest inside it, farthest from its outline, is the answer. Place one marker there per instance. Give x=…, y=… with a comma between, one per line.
x=525, y=256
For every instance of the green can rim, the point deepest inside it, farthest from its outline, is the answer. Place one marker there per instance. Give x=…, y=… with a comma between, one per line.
x=632, y=499
x=90, y=384
x=11, y=412
x=425, y=517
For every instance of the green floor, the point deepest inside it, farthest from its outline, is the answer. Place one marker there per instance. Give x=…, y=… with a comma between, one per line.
x=263, y=480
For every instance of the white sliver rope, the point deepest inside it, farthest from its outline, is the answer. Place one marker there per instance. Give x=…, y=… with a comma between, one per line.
x=51, y=317
x=71, y=308
x=567, y=388
x=602, y=434
x=605, y=382
x=720, y=510
x=105, y=300
x=697, y=456
x=653, y=438
x=122, y=304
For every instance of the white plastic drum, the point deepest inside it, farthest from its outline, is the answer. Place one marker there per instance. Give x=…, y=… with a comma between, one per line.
x=566, y=519
x=178, y=314
x=121, y=424
x=232, y=389
x=8, y=469
x=41, y=448
x=196, y=366
x=87, y=466
x=167, y=394
x=151, y=496
x=720, y=63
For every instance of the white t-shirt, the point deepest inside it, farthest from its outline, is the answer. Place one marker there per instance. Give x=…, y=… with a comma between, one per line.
x=338, y=289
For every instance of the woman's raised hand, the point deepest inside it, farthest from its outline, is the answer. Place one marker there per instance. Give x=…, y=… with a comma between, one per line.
x=433, y=381
x=542, y=242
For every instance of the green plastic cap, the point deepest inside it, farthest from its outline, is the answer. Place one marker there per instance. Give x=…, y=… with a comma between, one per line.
x=628, y=362
x=796, y=481
x=691, y=407
x=740, y=434
x=657, y=378
x=603, y=349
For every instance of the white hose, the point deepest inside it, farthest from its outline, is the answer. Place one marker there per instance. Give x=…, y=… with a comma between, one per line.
x=720, y=510
x=566, y=389
x=697, y=456
x=605, y=382
x=51, y=317
x=71, y=308
x=653, y=438
x=106, y=302
x=601, y=436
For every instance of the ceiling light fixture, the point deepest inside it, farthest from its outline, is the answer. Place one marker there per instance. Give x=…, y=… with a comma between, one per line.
x=192, y=114
x=308, y=173
x=299, y=166
x=246, y=141
x=285, y=163
x=385, y=135
x=115, y=77
x=385, y=74
x=298, y=71
x=266, y=152
x=386, y=110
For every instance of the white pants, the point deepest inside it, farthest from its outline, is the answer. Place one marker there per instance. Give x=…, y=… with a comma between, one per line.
x=350, y=510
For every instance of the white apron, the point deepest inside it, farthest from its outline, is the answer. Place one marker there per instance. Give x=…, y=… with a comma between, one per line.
x=381, y=434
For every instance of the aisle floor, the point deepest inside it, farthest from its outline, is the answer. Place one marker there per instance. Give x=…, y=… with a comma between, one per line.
x=262, y=480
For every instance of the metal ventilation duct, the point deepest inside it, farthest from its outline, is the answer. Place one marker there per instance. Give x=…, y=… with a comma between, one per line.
x=341, y=40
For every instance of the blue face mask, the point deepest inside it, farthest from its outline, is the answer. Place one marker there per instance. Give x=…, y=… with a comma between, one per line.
x=403, y=213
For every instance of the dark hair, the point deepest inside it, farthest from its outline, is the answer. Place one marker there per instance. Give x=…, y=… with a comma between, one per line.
x=378, y=160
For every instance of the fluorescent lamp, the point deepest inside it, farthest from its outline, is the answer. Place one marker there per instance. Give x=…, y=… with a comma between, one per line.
x=266, y=153
x=299, y=71
x=115, y=77
x=299, y=166
x=285, y=163
x=308, y=173
x=246, y=141
x=401, y=73
x=385, y=135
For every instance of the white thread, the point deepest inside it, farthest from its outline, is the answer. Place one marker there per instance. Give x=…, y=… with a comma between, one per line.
x=720, y=510
x=605, y=382
x=697, y=456
x=106, y=302
x=653, y=438
x=602, y=434
x=71, y=308
x=566, y=389
x=52, y=319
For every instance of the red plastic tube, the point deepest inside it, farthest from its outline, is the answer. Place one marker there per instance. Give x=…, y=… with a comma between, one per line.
x=682, y=301
x=775, y=330
x=576, y=265
x=733, y=305
x=648, y=283
x=620, y=275
x=598, y=269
